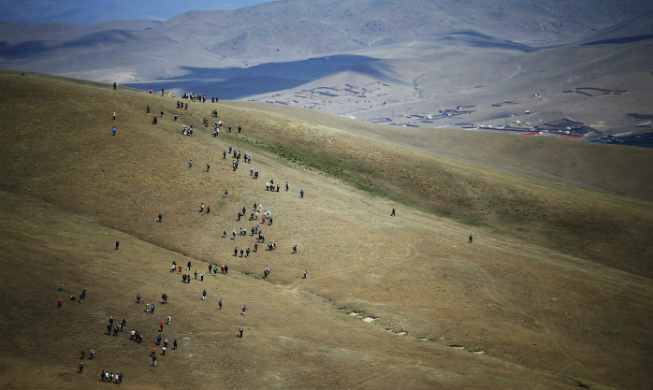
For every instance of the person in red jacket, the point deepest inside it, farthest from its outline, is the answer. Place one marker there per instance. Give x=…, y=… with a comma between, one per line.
x=161, y=325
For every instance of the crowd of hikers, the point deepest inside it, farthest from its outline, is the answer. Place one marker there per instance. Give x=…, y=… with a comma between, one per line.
x=257, y=236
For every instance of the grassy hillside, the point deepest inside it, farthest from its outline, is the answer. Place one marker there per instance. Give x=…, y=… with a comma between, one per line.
x=534, y=314
x=604, y=168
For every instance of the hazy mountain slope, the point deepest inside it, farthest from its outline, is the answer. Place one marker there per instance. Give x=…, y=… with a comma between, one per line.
x=91, y=12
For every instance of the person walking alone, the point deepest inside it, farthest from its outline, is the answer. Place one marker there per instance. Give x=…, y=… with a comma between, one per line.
x=393, y=213
x=305, y=274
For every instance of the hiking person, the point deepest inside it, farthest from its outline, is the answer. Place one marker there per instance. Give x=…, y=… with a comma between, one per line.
x=286, y=186
x=204, y=295
x=120, y=378
x=393, y=213
x=190, y=163
x=241, y=332
x=154, y=120
x=131, y=334
x=294, y=249
x=174, y=344
x=470, y=238
x=226, y=269
x=247, y=252
x=220, y=305
x=148, y=108
x=152, y=309
x=161, y=325
x=305, y=273
x=160, y=218
x=114, y=115
x=114, y=86
x=201, y=276
x=302, y=193
x=236, y=249
x=114, y=131
x=83, y=353
x=239, y=128
x=81, y=367
x=175, y=117
x=208, y=209
x=169, y=318
x=186, y=105
x=189, y=263
x=224, y=155
x=92, y=355
x=244, y=310
x=138, y=298
x=241, y=253
x=158, y=341
x=208, y=167
x=195, y=274
x=117, y=244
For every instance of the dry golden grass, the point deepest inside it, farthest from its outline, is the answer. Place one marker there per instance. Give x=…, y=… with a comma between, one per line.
x=544, y=317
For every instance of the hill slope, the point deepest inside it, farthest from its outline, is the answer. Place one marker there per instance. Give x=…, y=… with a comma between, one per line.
x=542, y=287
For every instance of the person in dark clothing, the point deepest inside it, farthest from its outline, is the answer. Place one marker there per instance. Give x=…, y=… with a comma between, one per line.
x=174, y=344
x=241, y=332
x=81, y=365
x=114, y=86
x=148, y=108
x=239, y=128
x=160, y=218
x=226, y=269
x=117, y=244
x=393, y=213
x=470, y=238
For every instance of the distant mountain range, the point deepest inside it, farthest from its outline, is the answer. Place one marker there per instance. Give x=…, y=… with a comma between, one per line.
x=273, y=46
x=92, y=12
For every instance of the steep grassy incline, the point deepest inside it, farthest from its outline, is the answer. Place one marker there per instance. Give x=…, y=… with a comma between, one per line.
x=60, y=138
